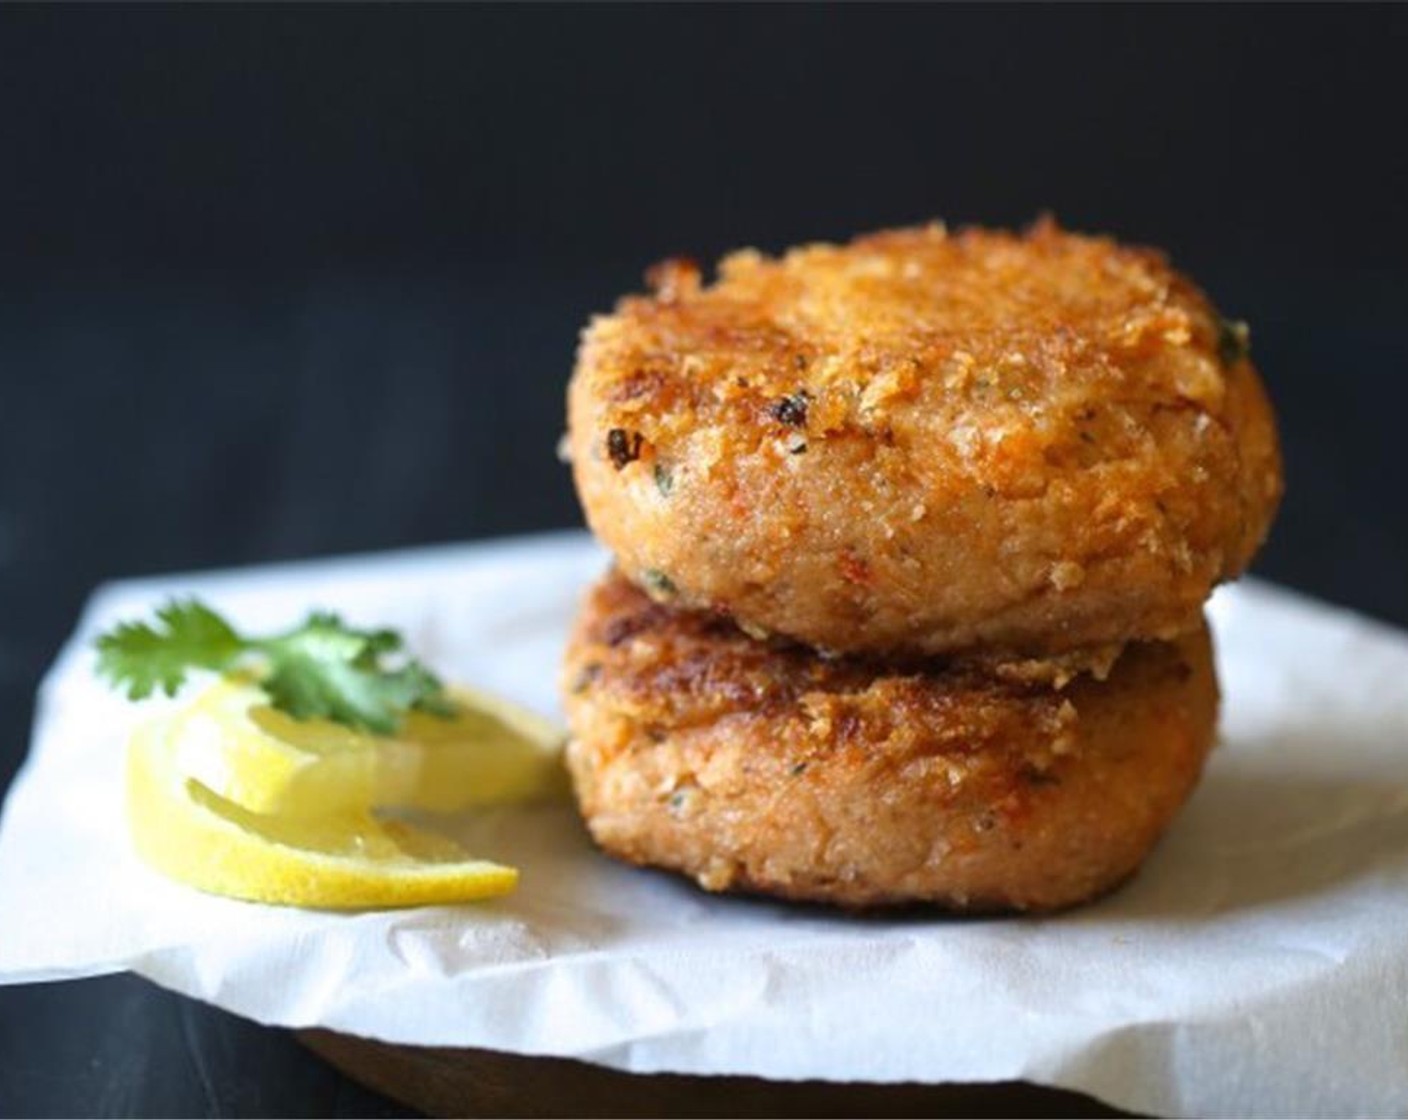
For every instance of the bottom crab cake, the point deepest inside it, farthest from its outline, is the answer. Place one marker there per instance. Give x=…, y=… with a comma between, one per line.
x=759, y=767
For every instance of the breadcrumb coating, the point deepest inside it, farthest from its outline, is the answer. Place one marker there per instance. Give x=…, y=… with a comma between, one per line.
x=761, y=766
x=923, y=442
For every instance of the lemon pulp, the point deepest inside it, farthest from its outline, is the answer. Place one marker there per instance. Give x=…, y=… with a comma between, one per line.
x=489, y=752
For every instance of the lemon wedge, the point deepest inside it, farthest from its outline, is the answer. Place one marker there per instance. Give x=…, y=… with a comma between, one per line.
x=234, y=797
x=343, y=860
x=490, y=752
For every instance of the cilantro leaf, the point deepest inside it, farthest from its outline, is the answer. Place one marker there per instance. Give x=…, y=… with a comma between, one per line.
x=188, y=635
x=323, y=668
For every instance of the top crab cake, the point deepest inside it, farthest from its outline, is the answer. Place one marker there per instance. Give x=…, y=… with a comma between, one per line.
x=928, y=442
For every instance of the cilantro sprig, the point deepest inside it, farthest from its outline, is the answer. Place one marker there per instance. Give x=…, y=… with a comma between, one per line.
x=323, y=668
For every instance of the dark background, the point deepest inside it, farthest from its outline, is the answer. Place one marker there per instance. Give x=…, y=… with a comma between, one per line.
x=287, y=282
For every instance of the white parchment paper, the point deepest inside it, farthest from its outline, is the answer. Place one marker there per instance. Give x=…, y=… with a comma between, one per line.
x=1257, y=966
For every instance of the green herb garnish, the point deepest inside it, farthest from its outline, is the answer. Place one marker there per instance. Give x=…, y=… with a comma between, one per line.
x=791, y=410
x=1234, y=341
x=657, y=582
x=323, y=668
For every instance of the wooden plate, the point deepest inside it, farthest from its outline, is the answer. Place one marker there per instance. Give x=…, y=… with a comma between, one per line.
x=451, y=1082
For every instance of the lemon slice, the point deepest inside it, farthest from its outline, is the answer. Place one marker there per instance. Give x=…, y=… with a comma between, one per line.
x=343, y=860
x=490, y=752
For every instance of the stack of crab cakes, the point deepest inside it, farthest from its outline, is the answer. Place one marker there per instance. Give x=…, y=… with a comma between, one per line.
x=913, y=537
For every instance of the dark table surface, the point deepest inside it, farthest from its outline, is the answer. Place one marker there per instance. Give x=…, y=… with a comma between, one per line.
x=280, y=284
x=121, y=1046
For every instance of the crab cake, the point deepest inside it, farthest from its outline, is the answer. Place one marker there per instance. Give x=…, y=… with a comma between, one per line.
x=758, y=766
x=922, y=442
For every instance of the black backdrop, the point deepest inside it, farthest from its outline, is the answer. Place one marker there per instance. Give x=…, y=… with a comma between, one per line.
x=280, y=282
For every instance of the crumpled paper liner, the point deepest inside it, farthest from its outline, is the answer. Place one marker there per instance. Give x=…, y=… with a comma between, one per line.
x=1257, y=966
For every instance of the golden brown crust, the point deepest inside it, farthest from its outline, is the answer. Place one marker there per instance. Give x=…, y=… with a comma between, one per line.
x=928, y=442
x=757, y=766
